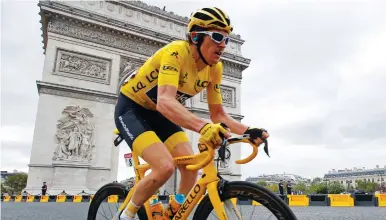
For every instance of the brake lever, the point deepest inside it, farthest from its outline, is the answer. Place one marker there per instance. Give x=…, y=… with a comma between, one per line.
x=266, y=147
x=221, y=151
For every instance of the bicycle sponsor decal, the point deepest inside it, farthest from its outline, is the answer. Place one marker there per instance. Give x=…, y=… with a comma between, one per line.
x=187, y=202
x=166, y=67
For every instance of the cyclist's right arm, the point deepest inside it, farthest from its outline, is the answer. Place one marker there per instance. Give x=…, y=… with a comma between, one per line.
x=168, y=77
x=167, y=104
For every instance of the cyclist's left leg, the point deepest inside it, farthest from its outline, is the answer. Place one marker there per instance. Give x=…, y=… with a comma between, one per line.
x=178, y=148
x=178, y=144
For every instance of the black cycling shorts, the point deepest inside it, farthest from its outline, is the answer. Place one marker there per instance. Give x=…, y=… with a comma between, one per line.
x=141, y=127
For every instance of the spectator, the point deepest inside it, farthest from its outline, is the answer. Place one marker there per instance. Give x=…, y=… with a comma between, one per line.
x=289, y=188
x=44, y=189
x=281, y=187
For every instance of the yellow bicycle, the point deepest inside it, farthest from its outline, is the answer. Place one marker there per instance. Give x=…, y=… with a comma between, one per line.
x=219, y=196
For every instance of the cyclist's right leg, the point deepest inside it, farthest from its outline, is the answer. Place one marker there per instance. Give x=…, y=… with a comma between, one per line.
x=130, y=121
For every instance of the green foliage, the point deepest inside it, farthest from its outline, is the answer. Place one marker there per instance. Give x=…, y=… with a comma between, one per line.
x=262, y=183
x=301, y=187
x=318, y=188
x=317, y=180
x=366, y=186
x=335, y=188
x=273, y=187
x=3, y=189
x=16, y=183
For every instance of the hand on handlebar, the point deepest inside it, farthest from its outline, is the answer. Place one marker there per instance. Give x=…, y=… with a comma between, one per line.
x=257, y=137
x=212, y=134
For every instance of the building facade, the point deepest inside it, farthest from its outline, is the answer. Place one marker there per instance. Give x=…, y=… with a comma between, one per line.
x=349, y=177
x=275, y=178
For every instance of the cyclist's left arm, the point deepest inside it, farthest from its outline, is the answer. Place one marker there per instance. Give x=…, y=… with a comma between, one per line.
x=217, y=112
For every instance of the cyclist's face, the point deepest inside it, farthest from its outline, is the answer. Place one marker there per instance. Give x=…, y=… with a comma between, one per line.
x=212, y=50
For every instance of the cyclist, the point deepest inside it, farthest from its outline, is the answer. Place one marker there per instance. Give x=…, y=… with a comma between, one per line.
x=150, y=113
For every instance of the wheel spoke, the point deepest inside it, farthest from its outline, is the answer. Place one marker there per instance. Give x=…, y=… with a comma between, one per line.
x=104, y=213
x=110, y=211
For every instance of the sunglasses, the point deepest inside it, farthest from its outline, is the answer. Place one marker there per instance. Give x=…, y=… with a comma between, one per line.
x=216, y=36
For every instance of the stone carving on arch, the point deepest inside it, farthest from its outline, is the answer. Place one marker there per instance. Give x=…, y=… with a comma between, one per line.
x=74, y=135
x=82, y=66
x=228, y=94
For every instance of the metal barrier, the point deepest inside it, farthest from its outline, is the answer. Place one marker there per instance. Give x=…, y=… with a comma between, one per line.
x=86, y=198
x=364, y=200
x=345, y=200
x=7, y=199
x=60, y=198
x=318, y=200
x=380, y=200
x=112, y=199
x=298, y=200
x=18, y=198
x=341, y=200
x=77, y=198
x=44, y=198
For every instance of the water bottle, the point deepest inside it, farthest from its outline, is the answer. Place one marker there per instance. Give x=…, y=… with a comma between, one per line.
x=156, y=209
x=174, y=205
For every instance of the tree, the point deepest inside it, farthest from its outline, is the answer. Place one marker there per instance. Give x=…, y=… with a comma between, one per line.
x=3, y=189
x=301, y=187
x=317, y=180
x=273, y=187
x=335, y=188
x=318, y=188
x=16, y=183
x=262, y=183
x=366, y=186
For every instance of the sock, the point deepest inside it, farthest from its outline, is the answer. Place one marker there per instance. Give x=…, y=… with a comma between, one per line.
x=130, y=211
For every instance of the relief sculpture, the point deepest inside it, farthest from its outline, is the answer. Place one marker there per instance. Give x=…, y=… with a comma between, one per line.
x=74, y=135
x=81, y=66
x=77, y=65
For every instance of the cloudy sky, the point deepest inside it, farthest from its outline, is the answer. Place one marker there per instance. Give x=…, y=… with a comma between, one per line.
x=316, y=81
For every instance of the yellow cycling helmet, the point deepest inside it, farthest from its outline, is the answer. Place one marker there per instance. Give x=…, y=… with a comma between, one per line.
x=210, y=18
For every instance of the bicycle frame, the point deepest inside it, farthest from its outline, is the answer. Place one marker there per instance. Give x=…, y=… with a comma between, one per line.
x=208, y=180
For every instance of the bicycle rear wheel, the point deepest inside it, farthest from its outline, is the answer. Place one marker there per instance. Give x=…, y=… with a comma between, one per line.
x=98, y=210
x=245, y=190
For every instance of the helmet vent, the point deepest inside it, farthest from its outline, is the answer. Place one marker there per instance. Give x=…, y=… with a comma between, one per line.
x=214, y=13
x=202, y=16
x=217, y=23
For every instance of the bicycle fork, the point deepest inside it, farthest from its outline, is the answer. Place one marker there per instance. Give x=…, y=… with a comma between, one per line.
x=213, y=190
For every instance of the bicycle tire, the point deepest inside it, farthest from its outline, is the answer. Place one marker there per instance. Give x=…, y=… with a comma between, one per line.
x=106, y=191
x=246, y=190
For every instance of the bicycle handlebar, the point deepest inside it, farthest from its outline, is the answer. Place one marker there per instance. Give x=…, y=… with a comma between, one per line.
x=204, y=162
x=210, y=152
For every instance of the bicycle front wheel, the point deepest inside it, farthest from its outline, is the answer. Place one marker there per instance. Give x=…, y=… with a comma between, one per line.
x=271, y=205
x=99, y=208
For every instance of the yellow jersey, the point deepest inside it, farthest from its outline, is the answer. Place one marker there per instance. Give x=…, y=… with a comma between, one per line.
x=173, y=65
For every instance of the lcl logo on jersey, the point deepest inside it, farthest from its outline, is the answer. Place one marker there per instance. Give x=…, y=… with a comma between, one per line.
x=153, y=75
x=138, y=87
x=200, y=84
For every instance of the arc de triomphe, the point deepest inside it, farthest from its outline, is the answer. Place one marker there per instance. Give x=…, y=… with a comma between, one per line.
x=90, y=46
